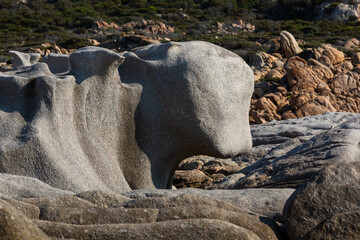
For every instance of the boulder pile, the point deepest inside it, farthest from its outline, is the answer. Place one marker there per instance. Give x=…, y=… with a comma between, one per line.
x=292, y=83
x=234, y=28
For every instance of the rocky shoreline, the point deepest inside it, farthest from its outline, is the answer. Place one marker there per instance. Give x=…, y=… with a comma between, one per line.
x=299, y=181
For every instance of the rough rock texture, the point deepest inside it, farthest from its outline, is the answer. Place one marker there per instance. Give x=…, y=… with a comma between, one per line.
x=338, y=11
x=193, y=178
x=323, y=203
x=149, y=27
x=154, y=213
x=263, y=227
x=58, y=63
x=345, y=225
x=95, y=215
x=104, y=199
x=14, y=225
x=345, y=12
x=288, y=153
x=26, y=187
x=77, y=132
x=178, y=229
x=234, y=28
x=194, y=206
x=23, y=59
x=266, y=202
x=202, y=171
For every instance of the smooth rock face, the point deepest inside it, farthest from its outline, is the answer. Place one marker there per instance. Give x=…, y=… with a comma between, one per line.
x=185, y=81
x=298, y=148
x=89, y=130
x=322, y=204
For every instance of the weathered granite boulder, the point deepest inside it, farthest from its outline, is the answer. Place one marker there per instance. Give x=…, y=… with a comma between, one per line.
x=289, y=44
x=296, y=149
x=327, y=204
x=19, y=59
x=185, y=81
x=89, y=130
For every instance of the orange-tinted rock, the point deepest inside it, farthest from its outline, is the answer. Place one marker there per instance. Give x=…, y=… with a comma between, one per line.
x=328, y=55
x=299, y=75
x=342, y=83
x=289, y=44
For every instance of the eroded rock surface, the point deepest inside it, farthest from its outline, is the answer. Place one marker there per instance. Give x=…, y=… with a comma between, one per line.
x=92, y=130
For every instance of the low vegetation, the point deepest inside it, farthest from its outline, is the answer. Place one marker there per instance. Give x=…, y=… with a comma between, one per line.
x=25, y=24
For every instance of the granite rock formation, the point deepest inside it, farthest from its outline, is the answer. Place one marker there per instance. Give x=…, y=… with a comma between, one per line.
x=91, y=130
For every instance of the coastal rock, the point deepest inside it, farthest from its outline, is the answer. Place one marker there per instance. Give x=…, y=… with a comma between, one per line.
x=103, y=199
x=19, y=59
x=263, y=227
x=300, y=148
x=325, y=201
x=351, y=43
x=96, y=215
x=27, y=187
x=328, y=55
x=289, y=44
x=201, y=61
x=177, y=229
x=122, y=142
x=193, y=178
x=58, y=63
x=302, y=76
x=149, y=27
x=346, y=12
x=343, y=225
x=102, y=25
x=343, y=83
x=266, y=202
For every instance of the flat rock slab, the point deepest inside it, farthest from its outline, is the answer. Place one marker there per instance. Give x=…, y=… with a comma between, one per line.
x=298, y=149
x=267, y=202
